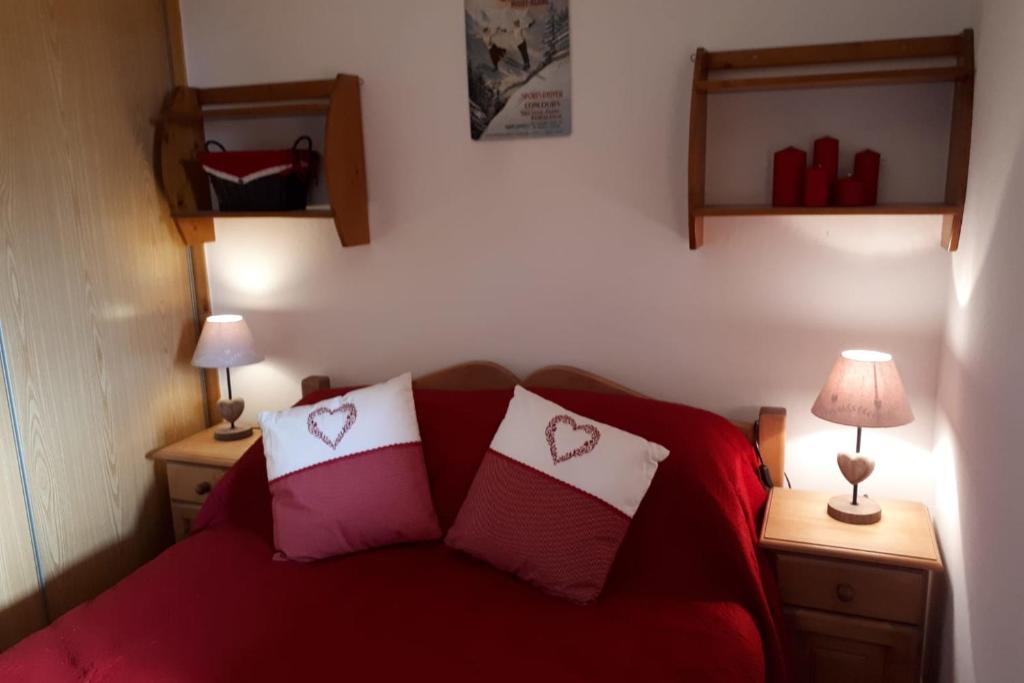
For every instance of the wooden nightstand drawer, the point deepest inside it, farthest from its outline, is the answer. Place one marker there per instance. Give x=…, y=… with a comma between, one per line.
x=182, y=515
x=853, y=588
x=832, y=648
x=194, y=466
x=191, y=483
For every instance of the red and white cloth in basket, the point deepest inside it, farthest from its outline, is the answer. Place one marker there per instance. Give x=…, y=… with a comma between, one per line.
x=242, y=167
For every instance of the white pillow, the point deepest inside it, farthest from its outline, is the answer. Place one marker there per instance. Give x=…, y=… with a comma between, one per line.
x=602, y=460
x=362, y=420
x=347, y=473
x=554, y=495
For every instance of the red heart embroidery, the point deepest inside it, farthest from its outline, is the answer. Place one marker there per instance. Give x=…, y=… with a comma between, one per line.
x=350, y=418
x=588, y=445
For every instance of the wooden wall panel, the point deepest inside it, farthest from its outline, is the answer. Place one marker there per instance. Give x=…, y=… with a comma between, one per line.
x=21, y=605
x=96, y=302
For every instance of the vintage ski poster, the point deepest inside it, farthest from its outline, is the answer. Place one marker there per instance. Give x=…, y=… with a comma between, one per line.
x=517, y=52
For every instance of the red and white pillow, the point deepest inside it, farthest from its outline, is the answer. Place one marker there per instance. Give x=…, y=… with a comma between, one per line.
x=554, y=496
x=348, y=474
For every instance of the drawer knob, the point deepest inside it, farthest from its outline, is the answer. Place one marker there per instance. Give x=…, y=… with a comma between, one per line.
x=203, y=487
x=845, y=592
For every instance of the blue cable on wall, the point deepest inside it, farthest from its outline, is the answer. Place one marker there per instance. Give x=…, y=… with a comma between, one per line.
x=5, y=372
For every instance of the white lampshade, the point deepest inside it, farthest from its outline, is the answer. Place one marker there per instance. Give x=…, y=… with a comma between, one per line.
x=226, y=342
x=864, y=389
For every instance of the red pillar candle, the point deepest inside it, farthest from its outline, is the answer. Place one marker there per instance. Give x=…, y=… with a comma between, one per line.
x=816, y=187
x=850, y=192
x=788, y=176
x=826, y=155
x=865, y=169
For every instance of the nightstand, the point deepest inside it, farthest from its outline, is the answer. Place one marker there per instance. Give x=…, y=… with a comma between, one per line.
x=194, y=466
x=856, y=597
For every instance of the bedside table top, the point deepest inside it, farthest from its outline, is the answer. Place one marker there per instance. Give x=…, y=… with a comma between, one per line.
x=202, y=449
x=797, y=521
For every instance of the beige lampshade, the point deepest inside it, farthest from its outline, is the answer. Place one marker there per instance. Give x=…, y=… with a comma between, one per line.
x=864, y=389
x=225, y=342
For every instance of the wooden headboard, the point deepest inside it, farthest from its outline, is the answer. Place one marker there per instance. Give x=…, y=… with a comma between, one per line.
x=768, y=431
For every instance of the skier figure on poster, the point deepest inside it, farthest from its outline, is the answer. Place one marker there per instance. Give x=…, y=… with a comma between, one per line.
x=520, y=25
x=488, y=35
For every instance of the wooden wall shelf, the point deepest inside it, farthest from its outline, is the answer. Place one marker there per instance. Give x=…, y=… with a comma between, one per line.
x=180, y=135
x=959, y=48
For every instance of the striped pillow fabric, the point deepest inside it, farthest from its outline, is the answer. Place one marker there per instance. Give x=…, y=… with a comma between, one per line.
x=348, y=474
x=554, y=496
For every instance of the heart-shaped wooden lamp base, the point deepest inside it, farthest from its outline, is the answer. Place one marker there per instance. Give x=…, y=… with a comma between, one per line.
x=854, y=509
x=231, y=410
x=856, y=468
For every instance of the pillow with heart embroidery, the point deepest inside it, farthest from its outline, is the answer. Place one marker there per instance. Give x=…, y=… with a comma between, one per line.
x=554, y=496
x=348, y=473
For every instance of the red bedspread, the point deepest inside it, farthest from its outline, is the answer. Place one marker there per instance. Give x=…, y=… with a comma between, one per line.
x=687, y=600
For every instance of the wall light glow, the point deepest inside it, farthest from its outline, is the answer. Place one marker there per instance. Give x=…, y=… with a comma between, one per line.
x=947, y=523
x=871, y=235
x=903, y=469
x=260, y=260
x=988, y=193
x=249, y=275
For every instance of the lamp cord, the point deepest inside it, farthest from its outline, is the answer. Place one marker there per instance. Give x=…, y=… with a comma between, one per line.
x=227, y=372
x=763, y=473
x=858, y=453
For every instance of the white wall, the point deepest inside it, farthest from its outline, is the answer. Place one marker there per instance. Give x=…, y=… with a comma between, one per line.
x=573, y=249
x=978, y=437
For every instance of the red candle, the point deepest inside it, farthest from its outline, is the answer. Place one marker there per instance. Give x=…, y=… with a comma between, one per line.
x=826, y=155
x=816, y=187
x=850, y=192
x=788, y=176
x=865, y=169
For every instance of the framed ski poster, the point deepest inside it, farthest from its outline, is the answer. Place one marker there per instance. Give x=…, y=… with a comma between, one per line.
x=517, y=53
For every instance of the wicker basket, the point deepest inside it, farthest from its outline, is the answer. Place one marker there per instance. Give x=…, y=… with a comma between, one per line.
x=261, y=180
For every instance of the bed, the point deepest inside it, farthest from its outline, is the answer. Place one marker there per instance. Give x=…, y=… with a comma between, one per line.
x=690, y=597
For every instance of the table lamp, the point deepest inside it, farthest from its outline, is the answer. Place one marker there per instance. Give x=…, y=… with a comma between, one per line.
x=226, y=342
x=864, y=389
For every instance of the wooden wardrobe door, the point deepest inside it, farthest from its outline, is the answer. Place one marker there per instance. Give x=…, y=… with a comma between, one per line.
x=96, y=301
x=21, y=604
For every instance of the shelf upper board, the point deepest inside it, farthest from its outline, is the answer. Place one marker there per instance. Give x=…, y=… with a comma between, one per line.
x=264, y=111
x=932, y=47
x=307, y=213
x=883, y=210
x=269, y=92
x=834, y=80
